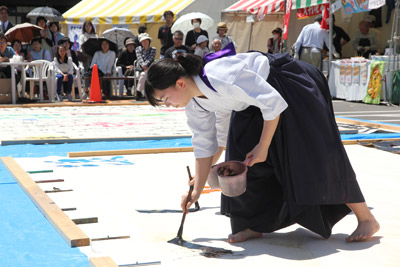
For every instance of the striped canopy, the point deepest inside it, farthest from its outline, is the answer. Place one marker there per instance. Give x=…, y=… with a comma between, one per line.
x=122, y=11
x=257, y=6
x=270, y=6
x=296, y=4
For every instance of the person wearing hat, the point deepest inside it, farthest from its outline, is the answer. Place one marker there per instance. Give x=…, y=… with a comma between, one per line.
x=141, y=29
x=192, y=35
x=5, y=25
x=275, y=44
x=222, y=30
x=145, y=57
x=66, y=42
x=126, y=60
x=371, y=19
x=308, y=46
x=201, y=48
x=365, y=40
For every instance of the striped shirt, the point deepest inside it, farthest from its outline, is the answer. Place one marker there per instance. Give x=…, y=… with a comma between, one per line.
x=145, y=57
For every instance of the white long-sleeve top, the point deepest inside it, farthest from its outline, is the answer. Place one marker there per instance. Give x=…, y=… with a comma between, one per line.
x=239, y=81
x=104, y=61
x=64, y=68
x=312, y=36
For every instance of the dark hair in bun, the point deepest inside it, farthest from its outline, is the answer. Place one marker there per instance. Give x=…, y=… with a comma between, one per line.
x=164, y=73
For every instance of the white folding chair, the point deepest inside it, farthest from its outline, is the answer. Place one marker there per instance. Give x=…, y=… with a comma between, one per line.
x=48, y=75
x=78, y=81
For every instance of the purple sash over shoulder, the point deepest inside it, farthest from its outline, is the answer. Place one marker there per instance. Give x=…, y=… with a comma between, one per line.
x=229, y=50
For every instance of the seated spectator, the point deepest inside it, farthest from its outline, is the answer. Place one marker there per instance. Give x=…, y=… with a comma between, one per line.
x=104, y=59
x=365, y=41
x=178, y=47
x=17, y=46
x=192, y=35
x=201, y=48
x=275, y=44
x=67, y=45
x=216, y=45
x=6, y=52
x=222, y=30
x=38, y=53
x=46, y=41
x=126, y=61
x=142, y=29
x=145, y=55
x=64, y=69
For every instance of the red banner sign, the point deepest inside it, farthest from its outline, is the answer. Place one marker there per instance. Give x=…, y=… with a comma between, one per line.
x=309, y=11
x=288, y=7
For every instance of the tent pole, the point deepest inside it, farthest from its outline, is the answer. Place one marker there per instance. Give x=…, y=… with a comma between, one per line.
x=251, y=32
x=330, y=35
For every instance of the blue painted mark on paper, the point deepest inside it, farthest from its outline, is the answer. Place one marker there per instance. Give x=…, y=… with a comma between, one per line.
x=91, y=162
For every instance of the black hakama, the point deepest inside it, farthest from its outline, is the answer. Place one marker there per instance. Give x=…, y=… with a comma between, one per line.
x=307, y=177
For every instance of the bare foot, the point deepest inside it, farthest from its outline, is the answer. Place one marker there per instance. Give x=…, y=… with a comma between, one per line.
x=364, y=231
x=243, y=236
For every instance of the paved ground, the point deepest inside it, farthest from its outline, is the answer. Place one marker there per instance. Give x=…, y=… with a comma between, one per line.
x=382, y=113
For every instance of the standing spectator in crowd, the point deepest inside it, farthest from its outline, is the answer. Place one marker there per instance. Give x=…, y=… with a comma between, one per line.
x=126, y=61
x=104, y=59
x=276, y=44
x=64, y=69
x=165, y=34
x=17, y=46
x=142, y=29
x=340, y=37
x=178, y=47
x=67, y=45
x=39, y=53
x=46, y=35
x=5, y=25
x=6, y=52
x=55, y=34
x=309, y=44
x=145, y=56
x=216, y=45
x=192, y=35
x=365, y=41
x=371, y=19
x=222, y=30
x=201, y=48
x=88, y=32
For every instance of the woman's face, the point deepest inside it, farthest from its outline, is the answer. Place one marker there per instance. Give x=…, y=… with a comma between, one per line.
x=105, y=46
x=17, y=47
x=88, y=28
x=36, y=46
x=42, y=24
x=62, y=51
x=67, y=45
x=176, y=96
x=145, y=43
x=53, y=28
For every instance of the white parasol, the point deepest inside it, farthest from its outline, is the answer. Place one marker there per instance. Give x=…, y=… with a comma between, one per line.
x=118, y=35
x=184, y=23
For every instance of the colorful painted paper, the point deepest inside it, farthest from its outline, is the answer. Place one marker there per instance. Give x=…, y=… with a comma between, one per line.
x=363, y=72
x=342, y=71
x=375, y=83
x=356, y=72
x=349, y=71
x=355, y=6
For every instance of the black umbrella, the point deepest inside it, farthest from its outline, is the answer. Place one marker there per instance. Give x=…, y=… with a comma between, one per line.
x=48, y=13
x=94, y=44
